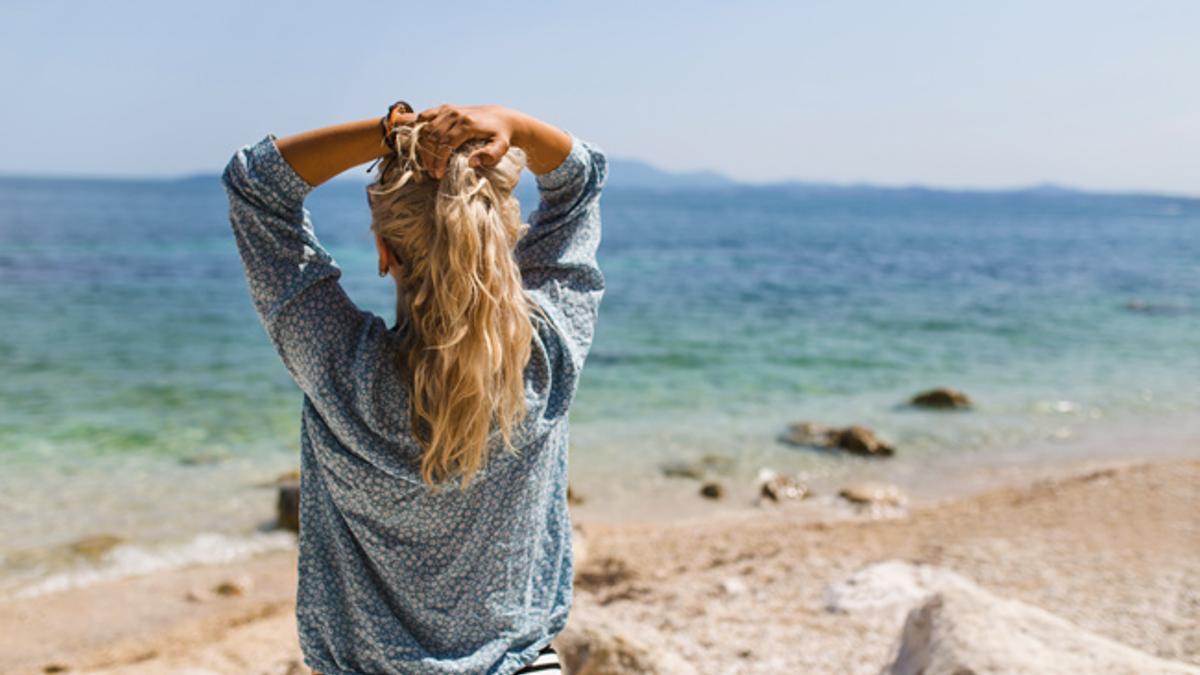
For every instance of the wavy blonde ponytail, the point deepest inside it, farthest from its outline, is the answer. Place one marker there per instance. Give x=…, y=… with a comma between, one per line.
x=468, y=328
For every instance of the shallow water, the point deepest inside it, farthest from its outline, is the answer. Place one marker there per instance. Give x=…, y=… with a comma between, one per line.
x=140, y=397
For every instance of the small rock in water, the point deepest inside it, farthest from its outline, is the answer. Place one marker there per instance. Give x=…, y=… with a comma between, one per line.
x=862, y=441
x=712, y=490
x=784, y=488
x=809, y=433
x=873, y=493
x=234, y=587
x=97, y=546
x=202, y=459
x=287, y=507
x=682, y=470
x=718, y=463
x=942, y=398
x=855, y=439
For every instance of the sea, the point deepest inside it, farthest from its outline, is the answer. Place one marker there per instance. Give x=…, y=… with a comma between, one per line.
x=141, y=402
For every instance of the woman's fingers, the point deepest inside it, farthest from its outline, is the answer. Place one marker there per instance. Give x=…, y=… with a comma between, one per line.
x=447, y=127
x=489, y=154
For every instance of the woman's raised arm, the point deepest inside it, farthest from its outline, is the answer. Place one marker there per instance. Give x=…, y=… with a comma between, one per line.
x=321, y=154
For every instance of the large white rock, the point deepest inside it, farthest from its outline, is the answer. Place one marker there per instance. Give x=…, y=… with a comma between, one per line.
x=894, y=585
x=965, y=629
x=591, y=645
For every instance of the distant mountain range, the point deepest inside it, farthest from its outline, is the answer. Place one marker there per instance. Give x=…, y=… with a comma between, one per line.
x=633, y=173
x=636, y=175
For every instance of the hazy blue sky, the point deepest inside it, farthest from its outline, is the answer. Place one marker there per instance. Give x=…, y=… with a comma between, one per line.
x=1096, y=94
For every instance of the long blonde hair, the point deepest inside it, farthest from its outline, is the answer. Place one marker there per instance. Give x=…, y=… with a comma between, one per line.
x=468, y=327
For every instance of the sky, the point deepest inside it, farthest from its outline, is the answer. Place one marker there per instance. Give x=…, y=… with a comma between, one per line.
x=1098, y=94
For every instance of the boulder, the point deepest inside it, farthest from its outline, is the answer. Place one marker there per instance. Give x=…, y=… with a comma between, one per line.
x=942, y=398
x=712, y=490
x=862, y=441
x=965, y=629
x=783, y=488
x=287, y=506
x=591, y=645
x=892, y=586
x=873, y=493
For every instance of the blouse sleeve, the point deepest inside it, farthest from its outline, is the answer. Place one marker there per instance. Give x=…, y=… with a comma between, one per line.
x=322, y=337
x=557, y=256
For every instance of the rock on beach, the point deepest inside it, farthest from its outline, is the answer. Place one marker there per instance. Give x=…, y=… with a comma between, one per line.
x=942, y=398
x=783, y=488
x=855, y=439
x=965, y=629
x=873, y=493
x=287, y=506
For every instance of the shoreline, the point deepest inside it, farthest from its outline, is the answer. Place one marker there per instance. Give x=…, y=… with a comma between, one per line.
x=241, y=520
x=1109, y=546
x=663, y=500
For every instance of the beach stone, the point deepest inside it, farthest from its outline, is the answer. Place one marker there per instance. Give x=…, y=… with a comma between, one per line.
x=680, y=469
x=942, y=398
x=234, y=587
x=203, y=459
x=198, y=595
x=287, y=506
x=855, y=439
x=862, y=441
x=733, y=586
x=573, y=497
x=783, y=488
x=965, y=629
x=712, y=490
x=873, y=493
x=721, y=464
x=591, y=645
x=96, y=546
x=809, y=433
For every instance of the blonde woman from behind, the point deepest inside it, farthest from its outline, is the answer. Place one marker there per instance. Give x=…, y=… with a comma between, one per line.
x=434, y=531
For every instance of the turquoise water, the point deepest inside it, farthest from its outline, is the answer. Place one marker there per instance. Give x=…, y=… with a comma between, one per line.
x=140, y=397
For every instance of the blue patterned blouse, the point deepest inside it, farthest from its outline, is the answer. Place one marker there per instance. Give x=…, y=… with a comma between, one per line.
x=395, y=578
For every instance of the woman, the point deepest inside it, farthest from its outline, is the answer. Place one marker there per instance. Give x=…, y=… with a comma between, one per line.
x=434, y=532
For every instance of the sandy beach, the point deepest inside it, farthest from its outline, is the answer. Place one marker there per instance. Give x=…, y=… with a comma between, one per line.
x=1113, y=549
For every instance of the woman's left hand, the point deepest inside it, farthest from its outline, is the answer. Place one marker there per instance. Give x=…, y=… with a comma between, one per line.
x=449, y=126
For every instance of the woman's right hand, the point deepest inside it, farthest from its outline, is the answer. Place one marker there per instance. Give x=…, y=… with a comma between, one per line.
x=447, y=127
